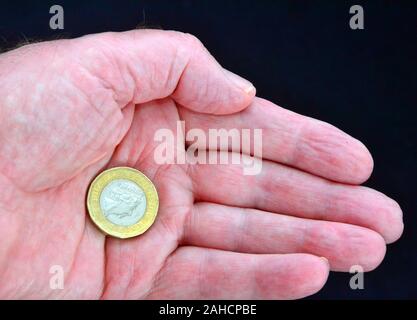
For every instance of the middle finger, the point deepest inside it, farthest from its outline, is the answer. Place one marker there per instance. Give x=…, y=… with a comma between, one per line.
x=286, y=190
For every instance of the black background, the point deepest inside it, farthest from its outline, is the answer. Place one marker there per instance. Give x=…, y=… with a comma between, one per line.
x=302, y=55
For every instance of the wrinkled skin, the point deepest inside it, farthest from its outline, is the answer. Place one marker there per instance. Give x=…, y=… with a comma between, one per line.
x=71, y=108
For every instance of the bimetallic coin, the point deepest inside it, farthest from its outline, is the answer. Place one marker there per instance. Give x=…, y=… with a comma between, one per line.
x=122, y=202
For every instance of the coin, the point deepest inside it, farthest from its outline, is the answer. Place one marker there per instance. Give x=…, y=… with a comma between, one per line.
x=122, y=202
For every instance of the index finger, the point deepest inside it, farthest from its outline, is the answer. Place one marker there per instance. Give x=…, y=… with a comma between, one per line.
x=294, y=140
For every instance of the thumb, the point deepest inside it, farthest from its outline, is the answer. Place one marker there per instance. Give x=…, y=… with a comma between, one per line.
x=154, y=64
x=66, y=104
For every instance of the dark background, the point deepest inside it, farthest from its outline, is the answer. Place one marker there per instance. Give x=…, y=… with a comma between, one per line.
x=303, y=56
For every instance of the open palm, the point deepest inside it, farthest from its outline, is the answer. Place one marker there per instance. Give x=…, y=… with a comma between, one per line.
x=71, y=108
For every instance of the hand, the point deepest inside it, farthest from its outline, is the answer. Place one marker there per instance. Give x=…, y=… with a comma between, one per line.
x=71, y=108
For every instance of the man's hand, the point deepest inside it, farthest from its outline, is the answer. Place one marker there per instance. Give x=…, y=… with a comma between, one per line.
x=71, y=108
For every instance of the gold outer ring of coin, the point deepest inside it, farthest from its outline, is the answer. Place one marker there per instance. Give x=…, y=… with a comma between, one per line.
x=96, y=214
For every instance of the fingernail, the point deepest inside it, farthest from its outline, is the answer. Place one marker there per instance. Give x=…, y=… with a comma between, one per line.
x=242, y=83
x=325, y=260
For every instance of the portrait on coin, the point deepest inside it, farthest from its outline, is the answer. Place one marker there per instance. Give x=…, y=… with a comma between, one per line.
x=123, y=202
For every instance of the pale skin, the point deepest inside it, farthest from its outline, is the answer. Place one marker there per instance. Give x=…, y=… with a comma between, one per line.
x=72, y=108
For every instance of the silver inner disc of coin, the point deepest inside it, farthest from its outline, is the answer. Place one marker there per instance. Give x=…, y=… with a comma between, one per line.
x=123, y=202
